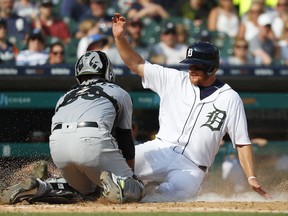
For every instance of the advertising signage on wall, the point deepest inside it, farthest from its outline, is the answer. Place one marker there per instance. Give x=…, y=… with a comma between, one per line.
x=141, y=100
x=68, y=70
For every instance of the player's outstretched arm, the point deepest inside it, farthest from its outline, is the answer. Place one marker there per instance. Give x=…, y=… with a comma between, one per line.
x=129, y=56
x=245, y=153
x=256, y=186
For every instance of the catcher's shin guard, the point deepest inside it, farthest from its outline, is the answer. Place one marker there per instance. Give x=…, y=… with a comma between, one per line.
x=53, y=191
x=60, y=192
x=28, y=190
x=121, y=190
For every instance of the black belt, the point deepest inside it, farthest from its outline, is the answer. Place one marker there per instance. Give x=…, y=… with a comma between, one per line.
x=203, y=168
x=79, y=125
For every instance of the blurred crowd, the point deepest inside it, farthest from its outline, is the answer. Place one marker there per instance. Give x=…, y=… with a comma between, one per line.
x=247, y=32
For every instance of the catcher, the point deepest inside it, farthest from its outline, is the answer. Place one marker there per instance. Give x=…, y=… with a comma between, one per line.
x=91, y=141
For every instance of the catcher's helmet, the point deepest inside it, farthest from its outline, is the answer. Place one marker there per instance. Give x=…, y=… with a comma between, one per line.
x=94, y=63
x=203, y=53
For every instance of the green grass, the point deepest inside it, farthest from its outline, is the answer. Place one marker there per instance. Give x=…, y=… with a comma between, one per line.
x=148, y=214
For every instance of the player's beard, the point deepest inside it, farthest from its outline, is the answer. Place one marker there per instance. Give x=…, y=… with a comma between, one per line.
x=199, y=78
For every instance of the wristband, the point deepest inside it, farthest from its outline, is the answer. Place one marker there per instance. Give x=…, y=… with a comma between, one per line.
x=251, y=177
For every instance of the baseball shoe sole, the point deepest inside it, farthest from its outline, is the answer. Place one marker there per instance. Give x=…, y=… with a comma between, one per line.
x=19, y=192
x=112, y=187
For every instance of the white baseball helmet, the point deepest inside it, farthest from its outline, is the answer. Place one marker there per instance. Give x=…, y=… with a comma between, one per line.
x=94, y=63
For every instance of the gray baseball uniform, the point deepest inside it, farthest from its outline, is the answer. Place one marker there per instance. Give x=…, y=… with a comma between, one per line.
x=81, y=143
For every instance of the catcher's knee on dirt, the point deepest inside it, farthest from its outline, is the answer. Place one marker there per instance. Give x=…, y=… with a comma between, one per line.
x=53, y=190
x=26, y=191
x=59, y=192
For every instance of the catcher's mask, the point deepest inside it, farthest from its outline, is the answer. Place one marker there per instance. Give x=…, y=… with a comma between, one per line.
x=94, y=63
x=203, y=53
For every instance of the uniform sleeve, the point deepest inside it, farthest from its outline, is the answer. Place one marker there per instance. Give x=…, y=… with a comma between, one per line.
x=125, y=143
x=59, y=102
x=237, y=125
x=123, y=128
x=158, y=78
x=125, y=112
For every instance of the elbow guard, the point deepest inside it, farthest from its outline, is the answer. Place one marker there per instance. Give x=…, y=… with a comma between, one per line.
x=125, y=143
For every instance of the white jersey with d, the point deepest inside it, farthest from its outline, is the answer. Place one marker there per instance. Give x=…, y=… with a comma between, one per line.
x=190, y=131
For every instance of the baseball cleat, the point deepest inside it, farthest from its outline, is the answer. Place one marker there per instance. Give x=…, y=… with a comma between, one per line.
x=112, y=187
x=19, y=192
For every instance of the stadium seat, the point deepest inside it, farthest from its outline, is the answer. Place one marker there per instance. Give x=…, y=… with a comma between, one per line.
x=223, y=42
x=197, y=33
x=151, y=31
x=71, y=51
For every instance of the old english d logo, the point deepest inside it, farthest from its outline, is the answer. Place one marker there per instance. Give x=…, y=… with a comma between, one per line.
x=215, y=119
x=190, y=52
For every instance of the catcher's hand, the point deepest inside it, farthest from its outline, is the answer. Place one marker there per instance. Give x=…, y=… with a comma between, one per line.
x=256, y=186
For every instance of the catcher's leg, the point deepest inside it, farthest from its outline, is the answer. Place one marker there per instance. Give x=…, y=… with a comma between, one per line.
x=28, y=190
x=118, y=189
x=53, y=190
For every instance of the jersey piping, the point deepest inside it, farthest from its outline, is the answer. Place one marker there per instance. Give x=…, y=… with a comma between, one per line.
x=194, y=122
x=192, y=128
x=188, y=116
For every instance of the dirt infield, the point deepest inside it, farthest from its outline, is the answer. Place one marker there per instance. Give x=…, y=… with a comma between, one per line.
x=214, y=196
x=197, y=206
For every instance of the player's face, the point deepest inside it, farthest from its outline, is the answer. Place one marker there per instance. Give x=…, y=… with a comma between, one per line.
x=198, y=77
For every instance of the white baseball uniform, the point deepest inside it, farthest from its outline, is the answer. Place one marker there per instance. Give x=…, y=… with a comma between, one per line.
x=81, y=142
x=190, y=132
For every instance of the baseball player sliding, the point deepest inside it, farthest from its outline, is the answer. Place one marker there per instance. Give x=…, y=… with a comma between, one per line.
x=196, y=111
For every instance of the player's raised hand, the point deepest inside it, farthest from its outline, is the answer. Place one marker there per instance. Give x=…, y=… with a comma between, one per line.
x=256, y=186
x=118, y=26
